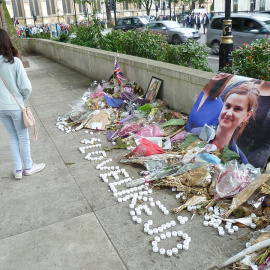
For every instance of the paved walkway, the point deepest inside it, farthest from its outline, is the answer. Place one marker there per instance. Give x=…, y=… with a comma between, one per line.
x=65, y=217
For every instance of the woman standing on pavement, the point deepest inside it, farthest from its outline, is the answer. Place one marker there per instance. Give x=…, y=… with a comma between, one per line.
x=14, y=74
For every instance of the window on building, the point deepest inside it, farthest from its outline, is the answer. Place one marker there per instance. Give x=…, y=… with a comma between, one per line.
x=34, y=7
x=51, y=7
x=48, y=7
x=126, y=5
x=82, y=7
x=262, y=5
x=235, y=5
x=17, y=8
x=66, y=6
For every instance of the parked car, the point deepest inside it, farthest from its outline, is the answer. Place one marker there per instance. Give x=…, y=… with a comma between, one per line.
x=130, y=23
x=245, y=29
x=173, y=31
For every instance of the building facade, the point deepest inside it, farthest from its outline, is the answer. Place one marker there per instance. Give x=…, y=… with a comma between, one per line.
x=41, y=12
x=243, y=5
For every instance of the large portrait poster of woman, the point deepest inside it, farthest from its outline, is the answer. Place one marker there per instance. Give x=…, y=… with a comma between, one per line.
x=238, y=108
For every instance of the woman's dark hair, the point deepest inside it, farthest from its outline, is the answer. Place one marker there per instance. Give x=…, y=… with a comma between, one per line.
x=219, y=87
x=7, y=49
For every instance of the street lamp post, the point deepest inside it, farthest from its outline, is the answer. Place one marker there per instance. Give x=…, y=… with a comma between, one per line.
x=226, y=45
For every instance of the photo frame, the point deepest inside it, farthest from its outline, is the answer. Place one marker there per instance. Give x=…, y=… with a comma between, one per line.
x=153, y=88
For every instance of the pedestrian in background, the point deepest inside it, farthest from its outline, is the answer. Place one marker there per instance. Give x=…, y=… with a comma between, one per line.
x=205, y=22
x=192, y=22
x=27, y=32
x=198, y=21
x=18, y=32
x=189, y=20
x=14, y=75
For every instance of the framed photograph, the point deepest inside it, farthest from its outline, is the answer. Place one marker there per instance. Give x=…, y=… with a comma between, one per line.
x=153, y=88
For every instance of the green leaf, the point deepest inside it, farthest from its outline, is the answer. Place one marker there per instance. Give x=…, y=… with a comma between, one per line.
x=173, y=122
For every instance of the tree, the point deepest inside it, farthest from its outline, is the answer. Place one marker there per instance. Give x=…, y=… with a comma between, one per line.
x=147, y=4
x=93, y=3
x=7, y=24
x=192, y=3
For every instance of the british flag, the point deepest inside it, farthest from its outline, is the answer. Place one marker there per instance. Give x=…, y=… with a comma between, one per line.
x=118, y=73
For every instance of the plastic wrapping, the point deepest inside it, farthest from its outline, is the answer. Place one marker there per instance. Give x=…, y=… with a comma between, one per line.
x=243, y=196
x=131, y=106
x=127, y=93
x=146, y=148
x=98, y=92
x=93, y=86
x=97, y=103
x=151, y=115
x=78, y=110
x=209, y=158
x=232, y=180
x=191, y=154
x=160, y=173
x=256, y=200
x=151, y=131
x=179, y=136
x=128, y=129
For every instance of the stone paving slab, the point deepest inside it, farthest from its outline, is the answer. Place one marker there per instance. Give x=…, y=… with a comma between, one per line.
x=66, y=218
x=76, y=243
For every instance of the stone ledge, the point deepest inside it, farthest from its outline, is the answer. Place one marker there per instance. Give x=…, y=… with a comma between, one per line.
x=181, y=85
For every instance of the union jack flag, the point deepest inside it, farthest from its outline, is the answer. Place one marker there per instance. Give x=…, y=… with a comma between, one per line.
x=118, y=73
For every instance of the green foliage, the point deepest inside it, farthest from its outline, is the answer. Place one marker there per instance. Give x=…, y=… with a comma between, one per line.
x=138, y=43
x=86, y=36
x=190, y=54
x=44, y=35
x=146, y=44
x=150, y=45
x=64, y=37
x=252, y=60
x=89, y=35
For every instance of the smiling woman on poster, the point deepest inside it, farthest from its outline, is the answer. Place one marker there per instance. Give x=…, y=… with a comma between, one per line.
x=239, y=106
x=207, y=107
x=255, y=140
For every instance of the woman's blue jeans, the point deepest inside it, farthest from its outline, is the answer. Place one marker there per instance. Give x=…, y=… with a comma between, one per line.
x=19, y=138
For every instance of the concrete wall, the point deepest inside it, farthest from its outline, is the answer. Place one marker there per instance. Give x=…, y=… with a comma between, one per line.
x=181, y=85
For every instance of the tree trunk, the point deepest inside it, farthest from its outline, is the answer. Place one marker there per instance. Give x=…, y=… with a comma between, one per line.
x=148, y=5
x=108, y=13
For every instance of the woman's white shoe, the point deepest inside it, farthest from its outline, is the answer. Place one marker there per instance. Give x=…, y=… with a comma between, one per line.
x=35, y=168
